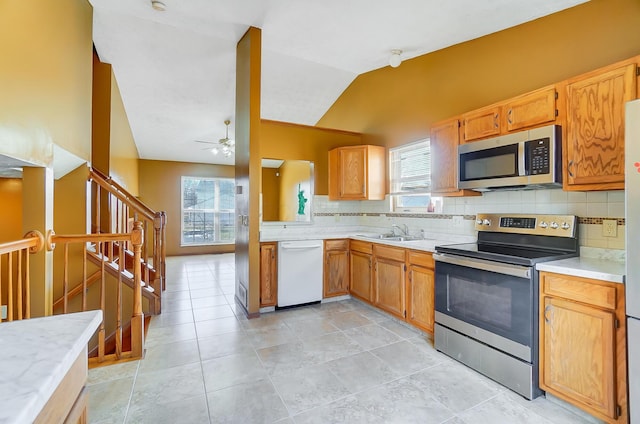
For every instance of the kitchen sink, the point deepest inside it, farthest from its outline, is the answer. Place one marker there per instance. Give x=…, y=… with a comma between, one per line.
x=391, y=237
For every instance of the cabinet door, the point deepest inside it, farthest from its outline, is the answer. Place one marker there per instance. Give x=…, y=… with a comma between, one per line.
x=530, y=110
x=268, y=274
x=577, y=354
x=361, y=275
x=444, y=157
x=336, y=268
x=389, y=286
x=353, y=171
x=420, y=297
x=595, y=129
x=481, y=123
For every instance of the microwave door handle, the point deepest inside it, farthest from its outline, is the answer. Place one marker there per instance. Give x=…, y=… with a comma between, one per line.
x=522, y=151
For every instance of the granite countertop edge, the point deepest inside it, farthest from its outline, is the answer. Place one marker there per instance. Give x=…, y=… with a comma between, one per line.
x=427, y=244
x=43, y=350
x=586, y=267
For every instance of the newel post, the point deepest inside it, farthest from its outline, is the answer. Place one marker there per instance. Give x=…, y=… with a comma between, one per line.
x=137, y=320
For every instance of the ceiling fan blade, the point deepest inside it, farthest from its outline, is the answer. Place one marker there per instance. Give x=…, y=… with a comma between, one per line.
x=205, y=142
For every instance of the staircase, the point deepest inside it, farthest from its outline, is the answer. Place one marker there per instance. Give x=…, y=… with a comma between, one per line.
x=118, y=268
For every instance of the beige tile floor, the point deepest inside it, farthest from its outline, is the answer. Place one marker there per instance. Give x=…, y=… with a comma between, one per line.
x=339, y=362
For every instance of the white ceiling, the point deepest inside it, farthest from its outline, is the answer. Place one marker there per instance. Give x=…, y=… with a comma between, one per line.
x=176, y=69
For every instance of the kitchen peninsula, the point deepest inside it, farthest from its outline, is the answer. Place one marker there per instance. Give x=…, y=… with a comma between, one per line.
x=43, y=368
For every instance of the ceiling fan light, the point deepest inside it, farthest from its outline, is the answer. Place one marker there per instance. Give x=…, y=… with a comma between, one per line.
x=215, y=150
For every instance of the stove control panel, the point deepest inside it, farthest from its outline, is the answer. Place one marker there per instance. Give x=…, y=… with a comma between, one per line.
x=546, y=225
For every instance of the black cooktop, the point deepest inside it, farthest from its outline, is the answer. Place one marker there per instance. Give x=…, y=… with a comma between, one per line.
x=517, y=255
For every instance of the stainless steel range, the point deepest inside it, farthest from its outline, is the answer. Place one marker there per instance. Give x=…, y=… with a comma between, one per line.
x=486, y=294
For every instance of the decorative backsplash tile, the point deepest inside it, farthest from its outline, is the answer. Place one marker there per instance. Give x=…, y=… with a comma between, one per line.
x=458, y=214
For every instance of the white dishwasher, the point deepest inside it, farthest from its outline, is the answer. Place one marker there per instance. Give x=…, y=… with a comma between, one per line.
x=299, y=272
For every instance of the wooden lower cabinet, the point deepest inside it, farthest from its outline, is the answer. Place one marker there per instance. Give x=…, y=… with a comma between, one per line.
x=268, y=274
x=336, y=268
x=420, y=290
x=389, y=270
x=397, y=280
x=582, y=344
x=360, y=265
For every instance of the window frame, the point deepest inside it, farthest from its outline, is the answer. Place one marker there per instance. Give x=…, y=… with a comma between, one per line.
x=395, y=182
x=217, y=212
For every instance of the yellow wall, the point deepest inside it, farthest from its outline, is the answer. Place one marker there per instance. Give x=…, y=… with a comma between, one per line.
x=69, y=217
x=281, y=140
x=114, y=151
x=248, y=169
x=292, y=174
x=124, y=153
x=271, y=192
x=11, y=210
x=399, y=105
x=159, y=183
x=45, y=75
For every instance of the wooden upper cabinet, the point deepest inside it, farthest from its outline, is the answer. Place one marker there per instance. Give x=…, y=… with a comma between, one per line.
x=594, y=145
x=336, y=268
x=481, y=123
x=530, y=110
x=444, y=159
x=357, y=173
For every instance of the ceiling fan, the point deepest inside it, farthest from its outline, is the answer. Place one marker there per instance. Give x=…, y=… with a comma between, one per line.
x=224, y=146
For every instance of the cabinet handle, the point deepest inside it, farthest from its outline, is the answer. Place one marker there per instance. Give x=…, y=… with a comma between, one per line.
x=509, y=112
x=495, y=121
x=569, y=166
x=547, y=310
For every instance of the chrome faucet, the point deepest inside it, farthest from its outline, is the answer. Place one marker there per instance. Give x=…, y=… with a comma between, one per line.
x=404, y=230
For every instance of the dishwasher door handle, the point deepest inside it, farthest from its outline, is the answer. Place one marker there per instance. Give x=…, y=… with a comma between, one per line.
x=294, y=247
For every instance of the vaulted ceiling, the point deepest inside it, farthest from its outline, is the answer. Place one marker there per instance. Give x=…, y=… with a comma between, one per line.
x=176, y=68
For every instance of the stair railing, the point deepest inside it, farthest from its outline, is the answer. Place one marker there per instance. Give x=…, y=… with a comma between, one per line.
x=124, y=208
x=99, y=244
x=15, y=284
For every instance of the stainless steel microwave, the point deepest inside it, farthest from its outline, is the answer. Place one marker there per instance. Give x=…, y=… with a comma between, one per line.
x=523, y=160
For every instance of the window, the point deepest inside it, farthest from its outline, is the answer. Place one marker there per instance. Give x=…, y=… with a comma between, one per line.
x=208, y=211
x=410, y=178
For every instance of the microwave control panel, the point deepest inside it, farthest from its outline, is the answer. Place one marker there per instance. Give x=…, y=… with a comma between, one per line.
x=538, y=156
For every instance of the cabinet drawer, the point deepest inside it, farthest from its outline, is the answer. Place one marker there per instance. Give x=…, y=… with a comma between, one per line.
x=361, y=246
x=393, y=253
x=584, y=290
x=342, y=244
x=420, y=258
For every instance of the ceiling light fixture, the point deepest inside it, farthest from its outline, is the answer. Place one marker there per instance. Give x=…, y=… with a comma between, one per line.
x=158, y=5
x=225, y=145
x=395, y=59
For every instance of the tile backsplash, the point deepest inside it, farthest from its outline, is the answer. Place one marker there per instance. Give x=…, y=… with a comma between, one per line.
x=458, y=214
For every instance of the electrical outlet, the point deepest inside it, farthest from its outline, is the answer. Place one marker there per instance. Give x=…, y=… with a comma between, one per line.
x=3, y=312
x=609, y=228
x=457, y=220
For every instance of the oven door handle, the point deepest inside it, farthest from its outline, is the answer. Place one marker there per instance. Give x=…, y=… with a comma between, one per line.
x=500, y=268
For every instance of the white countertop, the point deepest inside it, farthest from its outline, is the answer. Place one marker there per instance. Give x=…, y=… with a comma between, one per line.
x=599, y=269
x=427, y=244
x=35, y=355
